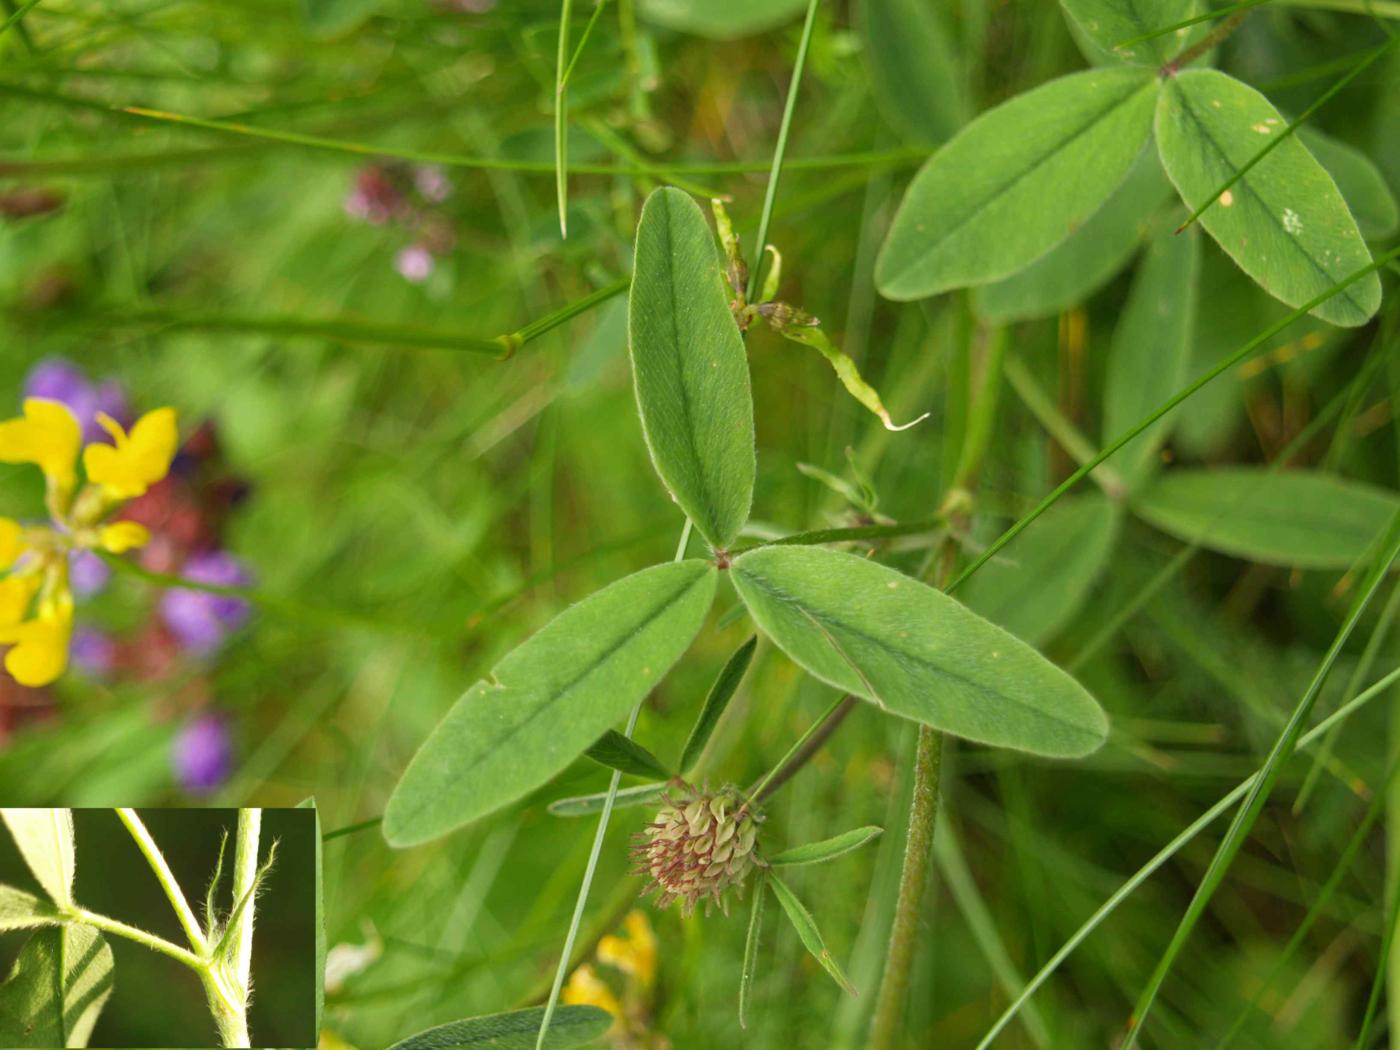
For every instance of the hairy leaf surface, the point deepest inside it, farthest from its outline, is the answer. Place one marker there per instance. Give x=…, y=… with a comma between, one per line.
x=1287, y=517
x=721, y=19
x=517, y=1030
x=549, y=699
x=826, y=849
x=1361, y=183
x=915, y=651
x=1284, y=222
x=1080, y=265
x=1111, y=24
x=690, y=369
x=56, y=989
x=45, y=839
x=915, y=75
x=20, y=910
x=1016, y=182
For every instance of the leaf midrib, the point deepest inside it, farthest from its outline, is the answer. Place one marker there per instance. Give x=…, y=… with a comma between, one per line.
x=784, y=596
x=1020, y=176
x=571, y=685
x=1248, y=185
x=697, y=460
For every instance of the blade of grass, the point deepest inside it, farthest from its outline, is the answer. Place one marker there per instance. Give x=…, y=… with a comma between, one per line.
x=16, y=18
x=1134, y=881
x=1263, y=786
x=775, y=171
x=1218, y=370
x=566, y=955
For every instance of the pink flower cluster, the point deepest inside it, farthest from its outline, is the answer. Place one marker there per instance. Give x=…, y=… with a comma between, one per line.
x=406, y=198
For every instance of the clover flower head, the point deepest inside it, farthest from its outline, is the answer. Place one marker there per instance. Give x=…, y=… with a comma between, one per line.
x=37, y=585
x=699, y=846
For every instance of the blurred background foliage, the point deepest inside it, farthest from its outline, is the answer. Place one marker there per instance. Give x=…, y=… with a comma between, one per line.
x=408, y=514
x=156, y=1001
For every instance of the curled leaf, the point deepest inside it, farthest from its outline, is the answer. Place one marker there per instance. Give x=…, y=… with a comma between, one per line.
x=846, y=371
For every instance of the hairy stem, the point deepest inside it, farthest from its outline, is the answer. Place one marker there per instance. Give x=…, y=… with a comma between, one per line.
x=227, y=980
x=165, y=876
x=913, y=880
x=132, y=933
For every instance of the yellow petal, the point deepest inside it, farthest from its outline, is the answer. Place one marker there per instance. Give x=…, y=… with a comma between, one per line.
x=586, y=988
x=122, y=536
x=47, y=435
x=16, y=592
x=139, y=459
x=11, y=542
x=40, y=653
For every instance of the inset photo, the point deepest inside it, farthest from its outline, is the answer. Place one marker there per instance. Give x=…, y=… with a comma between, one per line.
x=158, y=927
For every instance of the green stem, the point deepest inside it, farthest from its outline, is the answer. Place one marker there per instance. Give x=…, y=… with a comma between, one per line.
x=913, y=880
x=165, y=877
x=775, y=171
x=131, y=933
x=802, y=749
x=1062, y=429
x=566, y=955
x=1210, y=40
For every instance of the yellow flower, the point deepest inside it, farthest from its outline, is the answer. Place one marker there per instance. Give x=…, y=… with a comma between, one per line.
x=122, y=536
x=40, y=646
x=138, y=460
x=586, y=988
x=634, y=954
x=16, y=592
x=11, y=542
x=47, y=435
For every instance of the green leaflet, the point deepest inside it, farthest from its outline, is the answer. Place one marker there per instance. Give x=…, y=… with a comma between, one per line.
x=721, y=19
x=517, y=1030
x=1150, y=356
x=549, y=699
x=915, y=75
x=1288, y=517
x=1077, y=267
x=1284, y=222
x=715, y=702
x=826, y=849
x=586, y=805
x=57, y=988
x=20, y=910
x=616, y=751
x=689, y=368
x=1016, y=182
x=914, y=651
x=1111, y=24
x=807, y=931
x=1361, y=183
x=1042, y=578
x=310, y=804
x=45, y=839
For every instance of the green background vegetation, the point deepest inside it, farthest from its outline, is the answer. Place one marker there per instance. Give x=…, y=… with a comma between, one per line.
x=417, y=512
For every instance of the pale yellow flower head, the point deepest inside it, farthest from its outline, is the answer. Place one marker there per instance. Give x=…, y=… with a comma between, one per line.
x=137, y=460
x=48, y=435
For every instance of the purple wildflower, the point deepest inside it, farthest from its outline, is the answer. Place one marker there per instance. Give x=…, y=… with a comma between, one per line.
x=431, y=182
x=199, y=620
x=93, y=651
x=414, y=263
x=203, y=754
x=58, y=379
x=87, y=573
